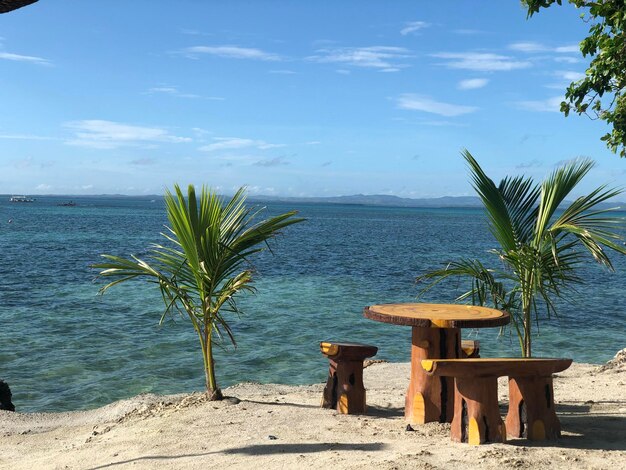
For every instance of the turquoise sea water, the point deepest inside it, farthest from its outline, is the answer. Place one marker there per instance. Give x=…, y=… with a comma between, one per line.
x=63, y=347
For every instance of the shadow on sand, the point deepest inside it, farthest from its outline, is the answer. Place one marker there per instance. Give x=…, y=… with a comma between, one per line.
x=586, y=428
x=259, y=449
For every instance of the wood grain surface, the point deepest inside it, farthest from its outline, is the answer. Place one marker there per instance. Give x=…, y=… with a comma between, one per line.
x=437, y=315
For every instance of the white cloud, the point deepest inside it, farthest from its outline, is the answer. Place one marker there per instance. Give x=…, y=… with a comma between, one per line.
x=379, y=57
x=480, y=61
x=548, y=105
x=528, y=47
x=472, y=83
x=428, y=105
x=236, y=143
x=283, y=72
x=24, y=58
x=413, y=26
x=567, y=60
x=43, y=187
x=231, y=52
x=569, y=75
x=567, y=49
x=532, y=47
x=108, y=134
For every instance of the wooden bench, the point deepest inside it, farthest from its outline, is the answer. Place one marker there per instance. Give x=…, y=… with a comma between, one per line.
x=470, y=348
x=344, y=389
x=476, y=414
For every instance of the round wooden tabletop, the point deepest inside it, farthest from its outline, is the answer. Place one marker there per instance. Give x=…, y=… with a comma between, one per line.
x=437, y=315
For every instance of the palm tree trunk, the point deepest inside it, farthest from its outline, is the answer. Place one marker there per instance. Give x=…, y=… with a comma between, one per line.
x=209, y=369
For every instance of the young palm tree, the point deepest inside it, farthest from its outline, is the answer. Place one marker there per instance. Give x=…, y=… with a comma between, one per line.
x=542, y=244
x=204, y=265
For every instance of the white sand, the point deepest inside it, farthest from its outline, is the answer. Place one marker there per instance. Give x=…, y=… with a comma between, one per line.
x=279, y=426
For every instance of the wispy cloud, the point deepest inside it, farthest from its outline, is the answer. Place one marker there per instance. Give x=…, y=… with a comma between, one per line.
x=529, y=164
x=564, y=78
x=567, y=49
x=468, y=32
x=25, y=137
x=24, y=58
x=276, y=161
x=231, y=52
x=548, y=105
x=143, y=161
x=108, y=134
x=528, y=47
x=472, y=83
x=533, y=47
x=480, y=61
x=567, y=59
x=428, y=105
x=30, y=162
x=413, y=26
x=236, y=143
x=569, y=75
x=174, y=91
x=282, y=72
x=377, y=57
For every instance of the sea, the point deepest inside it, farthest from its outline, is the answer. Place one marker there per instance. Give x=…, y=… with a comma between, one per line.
x=65, y=347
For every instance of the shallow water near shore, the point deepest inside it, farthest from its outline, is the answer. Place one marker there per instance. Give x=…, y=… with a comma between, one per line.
x=63, y=347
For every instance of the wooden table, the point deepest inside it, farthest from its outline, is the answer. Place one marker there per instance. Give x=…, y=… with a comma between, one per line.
x=436, y=335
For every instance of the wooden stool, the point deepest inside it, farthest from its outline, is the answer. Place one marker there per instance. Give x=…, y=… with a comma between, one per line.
x=476, y=414
x=344, y=389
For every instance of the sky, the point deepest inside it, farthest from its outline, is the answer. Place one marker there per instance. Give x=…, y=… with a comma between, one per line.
x=290, y=98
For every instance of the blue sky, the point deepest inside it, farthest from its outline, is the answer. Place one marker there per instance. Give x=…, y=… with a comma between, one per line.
x=291, y=98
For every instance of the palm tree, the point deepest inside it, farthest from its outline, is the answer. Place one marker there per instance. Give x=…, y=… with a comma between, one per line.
x=204, y=264
x=541, y=243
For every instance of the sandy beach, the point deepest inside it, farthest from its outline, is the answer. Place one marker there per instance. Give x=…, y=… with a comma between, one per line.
x=279, y=426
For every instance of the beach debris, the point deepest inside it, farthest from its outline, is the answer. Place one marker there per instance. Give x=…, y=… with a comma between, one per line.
x=409, y=428
x=369, y=362
x=616, y=364
x=272, y=438
x=5, y=397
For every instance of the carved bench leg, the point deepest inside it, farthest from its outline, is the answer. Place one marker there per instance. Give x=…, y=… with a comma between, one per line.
x=476, y=414
x=344, y=389
x=531, y=409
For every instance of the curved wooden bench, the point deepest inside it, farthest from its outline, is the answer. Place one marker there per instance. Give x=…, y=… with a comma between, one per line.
x=344, y=389
x=476, y=414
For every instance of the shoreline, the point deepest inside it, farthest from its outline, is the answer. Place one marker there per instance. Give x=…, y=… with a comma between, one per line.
x=283, y=426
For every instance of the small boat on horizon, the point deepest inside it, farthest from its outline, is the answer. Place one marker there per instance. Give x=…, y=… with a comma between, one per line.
x=21, y=199
x=67, y=204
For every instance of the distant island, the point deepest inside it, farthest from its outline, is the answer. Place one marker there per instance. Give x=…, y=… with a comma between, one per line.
x=381, y=200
